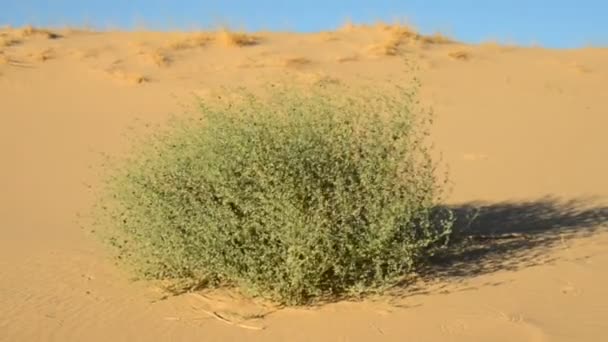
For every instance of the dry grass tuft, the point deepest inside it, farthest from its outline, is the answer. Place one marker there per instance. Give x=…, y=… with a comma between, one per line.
x=158, y=58
x=194, y=41
x=403, y=30
x=30, y=31
x=400, y=31
x=388, y=48
x=238, y=39
x=403, y=34
x=462, y=55
x=436, y=38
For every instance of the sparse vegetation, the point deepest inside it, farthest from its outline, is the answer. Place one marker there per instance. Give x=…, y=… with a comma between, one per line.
x=301, y=196
x=400, y=32
x=13, y=37
x=436, y=38
x=192, y=41
x=388, y=48
x=30, y=31
x=157, y=57
x=403, y=31
x=238, y=39
x=400, y=35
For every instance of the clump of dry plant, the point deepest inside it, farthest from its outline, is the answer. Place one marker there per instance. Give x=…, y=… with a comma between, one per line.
x=238, y=39
x=400, y=31
x=403, y=34
x=403, y=31
x=436, y=38
x=193, y=41
x=158, y=57
x=387, y=48
x=30, y=31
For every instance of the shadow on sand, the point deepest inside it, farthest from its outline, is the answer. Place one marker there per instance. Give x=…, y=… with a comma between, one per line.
x=492, y=237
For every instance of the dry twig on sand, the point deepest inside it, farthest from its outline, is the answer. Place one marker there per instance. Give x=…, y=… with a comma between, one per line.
x=222, y=319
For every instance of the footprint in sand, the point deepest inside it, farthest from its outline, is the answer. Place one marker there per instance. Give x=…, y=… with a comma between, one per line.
x=570, y=290
x=513, y=318
x=525, y=325
x=455, y=327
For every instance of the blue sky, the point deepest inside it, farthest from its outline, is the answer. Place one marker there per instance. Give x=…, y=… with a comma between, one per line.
x=557, y=23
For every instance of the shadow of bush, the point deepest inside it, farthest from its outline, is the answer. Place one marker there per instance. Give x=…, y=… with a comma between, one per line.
x=511, y=235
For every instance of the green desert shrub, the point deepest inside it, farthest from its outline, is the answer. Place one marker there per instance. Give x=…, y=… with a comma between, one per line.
x=293, y=195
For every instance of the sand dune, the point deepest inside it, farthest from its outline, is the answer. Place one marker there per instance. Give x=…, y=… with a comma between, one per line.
x=523, y=131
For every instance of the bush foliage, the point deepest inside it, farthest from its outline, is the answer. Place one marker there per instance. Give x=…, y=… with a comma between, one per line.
x=296, y=195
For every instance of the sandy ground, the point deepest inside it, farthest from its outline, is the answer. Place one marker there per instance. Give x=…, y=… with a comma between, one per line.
x=522, y=129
